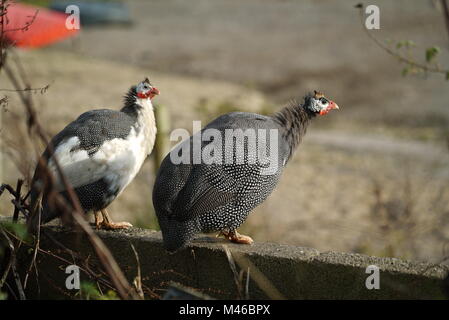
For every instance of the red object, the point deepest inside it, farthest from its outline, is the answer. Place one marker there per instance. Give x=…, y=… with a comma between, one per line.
x=47, y=27
x=153, y=92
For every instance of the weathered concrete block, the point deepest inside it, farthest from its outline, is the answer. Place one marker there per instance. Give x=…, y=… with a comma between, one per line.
x=297, y=273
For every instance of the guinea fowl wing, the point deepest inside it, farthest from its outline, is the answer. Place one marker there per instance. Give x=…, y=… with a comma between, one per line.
x=206, y=187
x=76, y=145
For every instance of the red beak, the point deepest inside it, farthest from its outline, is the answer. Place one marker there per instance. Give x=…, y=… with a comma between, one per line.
x=332, y=105
x=154, y=92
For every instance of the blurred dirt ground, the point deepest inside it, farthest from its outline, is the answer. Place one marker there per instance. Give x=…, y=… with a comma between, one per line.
x=370, y=178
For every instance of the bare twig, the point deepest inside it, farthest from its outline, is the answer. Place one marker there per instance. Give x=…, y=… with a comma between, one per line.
x=247, y=284
x=12, y=258
x=138, y=279
x=124, y=289
x=84, y=266
x=15, y=215
x=401, y=58
x=231, y=262
x=4, y=187
x=73, y=210
x=120, y=282
x=259, y=278
x=41, y=90
x=26, y=25
x=36, y=248
x=446, y=14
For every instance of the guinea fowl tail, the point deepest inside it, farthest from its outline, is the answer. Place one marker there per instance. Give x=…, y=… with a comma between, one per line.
x=176, y=233
x=39, y=214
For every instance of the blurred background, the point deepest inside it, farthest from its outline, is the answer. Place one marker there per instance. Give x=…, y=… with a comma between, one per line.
x=371, y=178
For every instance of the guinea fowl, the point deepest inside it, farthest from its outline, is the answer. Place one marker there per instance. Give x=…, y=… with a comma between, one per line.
x=99, y=153
x=217, y=196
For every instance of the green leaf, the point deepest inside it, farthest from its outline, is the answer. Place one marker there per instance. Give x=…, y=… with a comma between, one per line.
x=409, y=43
x=405, y=71
x=20, y=230
x=110, y=295
x=89, y=291
x=431, y=53
x=3, y=296
x=447, y=75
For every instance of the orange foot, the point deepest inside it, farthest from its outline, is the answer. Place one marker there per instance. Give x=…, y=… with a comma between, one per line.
x=114, y=225
x=236, y=237
x=107, y=224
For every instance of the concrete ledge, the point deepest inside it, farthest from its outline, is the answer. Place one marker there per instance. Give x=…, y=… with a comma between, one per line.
x=297, y=273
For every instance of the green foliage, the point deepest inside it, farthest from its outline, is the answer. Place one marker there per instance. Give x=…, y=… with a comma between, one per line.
x=412, y=66
x=431, y=53
x=89, y=291
x=405, y=71
x=20, y=230
x=405, y=43
x=3, y=295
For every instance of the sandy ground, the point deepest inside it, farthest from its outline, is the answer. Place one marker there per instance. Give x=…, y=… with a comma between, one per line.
x=285, y=48
x=370, y=178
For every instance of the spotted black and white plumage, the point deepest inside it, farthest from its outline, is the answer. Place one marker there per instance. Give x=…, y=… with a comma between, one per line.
x=193, y=198
x=99, y=153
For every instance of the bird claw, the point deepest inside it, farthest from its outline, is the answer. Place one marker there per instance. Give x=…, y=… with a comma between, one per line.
x=235, y=237
x=113, y=225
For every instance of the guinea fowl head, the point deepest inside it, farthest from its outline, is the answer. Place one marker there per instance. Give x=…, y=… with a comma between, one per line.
x=145, y=90
x=295, y=117
x=319, y=104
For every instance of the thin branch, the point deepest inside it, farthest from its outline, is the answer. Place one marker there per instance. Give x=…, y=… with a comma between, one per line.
x=138, y=279
x=446, y=14
x=124, y=289
x=85, y=268
x=401, y=58
x=42, y=90
x=233, y=267
x=10, y=189
x=259, y=278
x=13, y=265
x=15, y=215
x=34, y=127
x=26, y=25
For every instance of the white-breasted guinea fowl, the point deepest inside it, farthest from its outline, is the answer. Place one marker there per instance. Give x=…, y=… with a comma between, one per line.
x=99, y=153
x=216, y=196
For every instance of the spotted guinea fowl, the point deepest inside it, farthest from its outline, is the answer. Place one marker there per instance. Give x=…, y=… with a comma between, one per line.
x=211, y=181
x=99, y=153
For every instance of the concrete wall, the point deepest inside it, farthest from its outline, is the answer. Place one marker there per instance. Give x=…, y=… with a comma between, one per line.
x=295, y=272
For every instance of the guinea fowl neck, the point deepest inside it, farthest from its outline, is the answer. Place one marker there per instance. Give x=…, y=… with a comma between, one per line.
x=294, y=120
x=141, y=110
x=131, y=107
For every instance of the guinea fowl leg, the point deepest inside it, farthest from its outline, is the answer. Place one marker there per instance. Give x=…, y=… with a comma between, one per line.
x=236, y=237
x=107, y=224
x=97, y=219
